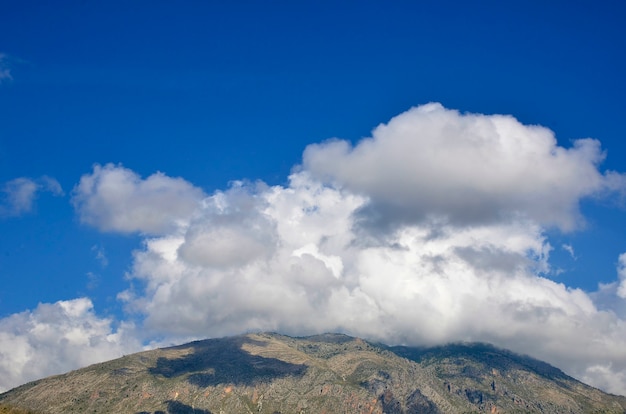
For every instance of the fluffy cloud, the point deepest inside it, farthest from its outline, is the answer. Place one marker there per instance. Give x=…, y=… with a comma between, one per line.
x=19, y=194
x=466, y=168
x=55, y=338
x=113, y=198
x=424, y=284
x=253, y=258
x=466, y=258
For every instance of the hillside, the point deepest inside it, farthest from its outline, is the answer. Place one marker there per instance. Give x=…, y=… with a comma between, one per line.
x=332, y=373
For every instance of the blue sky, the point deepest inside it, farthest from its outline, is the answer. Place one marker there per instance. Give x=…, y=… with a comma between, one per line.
x=222, y=99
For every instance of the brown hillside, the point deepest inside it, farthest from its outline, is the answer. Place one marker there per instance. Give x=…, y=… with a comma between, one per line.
x=270, y=373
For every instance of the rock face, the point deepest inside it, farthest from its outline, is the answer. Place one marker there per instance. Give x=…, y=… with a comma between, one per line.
x=271, y=373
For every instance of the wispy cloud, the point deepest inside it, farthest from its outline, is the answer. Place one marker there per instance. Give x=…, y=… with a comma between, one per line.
x=5, y=71
x=19, y=195
x=93, y=280
x=570, y=249
x=621, y=272
x=100, y=255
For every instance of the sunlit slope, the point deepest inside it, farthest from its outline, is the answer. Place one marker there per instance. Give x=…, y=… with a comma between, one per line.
x=271, y=373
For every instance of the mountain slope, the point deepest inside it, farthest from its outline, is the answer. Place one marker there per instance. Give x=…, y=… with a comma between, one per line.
x=270, y=373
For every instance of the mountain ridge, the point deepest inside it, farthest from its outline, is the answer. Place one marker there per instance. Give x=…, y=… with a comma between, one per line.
x=328, y=373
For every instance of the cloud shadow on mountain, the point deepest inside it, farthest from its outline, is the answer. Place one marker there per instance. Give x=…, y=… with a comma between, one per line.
x=223, y=361
x=486, y=354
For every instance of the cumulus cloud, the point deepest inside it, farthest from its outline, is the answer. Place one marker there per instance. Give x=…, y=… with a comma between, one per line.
x=114, y=198
x=465, y=201
x=466, y=260
x=424, y=284
x=55, y=338
x=19, y=194
x=467, y=168
x=250, y=256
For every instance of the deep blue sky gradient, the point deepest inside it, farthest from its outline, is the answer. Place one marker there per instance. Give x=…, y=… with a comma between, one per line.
x=218, y=91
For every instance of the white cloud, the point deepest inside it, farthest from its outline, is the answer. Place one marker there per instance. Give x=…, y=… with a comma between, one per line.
x=232, y=232
x=305, y=258
x=19, y=194
x=55, y=338
x=426, y=283
x=466, y=168
x=469, y=197
x=114, y=198
x=570, y=249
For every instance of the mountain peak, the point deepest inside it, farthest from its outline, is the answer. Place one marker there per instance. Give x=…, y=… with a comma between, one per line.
x=328, y=373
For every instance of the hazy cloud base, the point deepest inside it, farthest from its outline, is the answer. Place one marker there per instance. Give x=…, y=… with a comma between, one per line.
x=430, y=231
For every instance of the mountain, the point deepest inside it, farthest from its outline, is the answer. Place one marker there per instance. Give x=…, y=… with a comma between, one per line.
x=331, y=373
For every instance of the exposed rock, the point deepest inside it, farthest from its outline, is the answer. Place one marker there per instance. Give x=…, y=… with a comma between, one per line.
x=331, y=373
